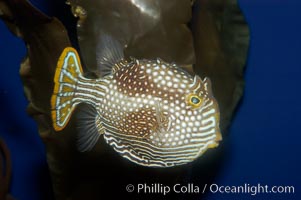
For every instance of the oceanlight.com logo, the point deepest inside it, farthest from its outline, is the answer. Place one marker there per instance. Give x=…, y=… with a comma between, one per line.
x=251, y=189
x=158, y=188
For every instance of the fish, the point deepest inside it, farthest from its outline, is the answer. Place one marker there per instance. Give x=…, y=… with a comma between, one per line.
x=151, y=112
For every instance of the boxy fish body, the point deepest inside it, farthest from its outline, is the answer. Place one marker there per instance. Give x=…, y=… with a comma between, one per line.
x=151, y=112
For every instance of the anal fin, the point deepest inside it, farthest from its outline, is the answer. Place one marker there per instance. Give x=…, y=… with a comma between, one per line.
x=89, y=127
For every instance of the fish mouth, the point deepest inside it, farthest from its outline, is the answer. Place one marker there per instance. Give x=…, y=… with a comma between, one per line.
x=215, y=143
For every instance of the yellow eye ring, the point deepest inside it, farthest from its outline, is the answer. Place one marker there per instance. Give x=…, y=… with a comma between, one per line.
x=194, y=100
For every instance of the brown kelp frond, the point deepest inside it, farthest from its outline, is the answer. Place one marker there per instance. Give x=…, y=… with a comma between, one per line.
x=146, y=29
x=45, y=39
x=221, y=39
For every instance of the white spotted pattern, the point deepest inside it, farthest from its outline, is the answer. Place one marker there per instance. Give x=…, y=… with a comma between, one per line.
x=145, y=116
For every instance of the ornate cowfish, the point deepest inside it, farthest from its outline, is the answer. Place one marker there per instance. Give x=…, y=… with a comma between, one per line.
x=151, y=112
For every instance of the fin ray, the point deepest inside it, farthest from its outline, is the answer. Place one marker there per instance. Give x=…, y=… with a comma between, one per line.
x=108, y=53
x=88, y=132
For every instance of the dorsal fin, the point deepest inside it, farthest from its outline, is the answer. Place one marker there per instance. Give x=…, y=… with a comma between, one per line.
x=109, y=52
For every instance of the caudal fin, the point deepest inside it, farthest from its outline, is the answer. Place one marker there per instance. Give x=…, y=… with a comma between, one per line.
x=66, y=77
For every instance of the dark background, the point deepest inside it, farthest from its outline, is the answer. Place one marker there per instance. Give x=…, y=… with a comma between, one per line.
x=264, y=141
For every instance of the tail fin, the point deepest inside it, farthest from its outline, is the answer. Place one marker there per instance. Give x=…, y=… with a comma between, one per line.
x=66, y=77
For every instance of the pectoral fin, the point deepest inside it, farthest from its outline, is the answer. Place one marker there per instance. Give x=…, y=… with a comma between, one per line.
x=163, y=119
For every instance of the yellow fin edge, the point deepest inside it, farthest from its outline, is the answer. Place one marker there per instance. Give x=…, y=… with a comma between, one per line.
x=53, y=100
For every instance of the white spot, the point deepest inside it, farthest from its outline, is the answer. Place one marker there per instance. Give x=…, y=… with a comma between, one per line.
x=176, y=80
x=170, y=73
x=182, y=85
x=197, y=123
x=169, y=84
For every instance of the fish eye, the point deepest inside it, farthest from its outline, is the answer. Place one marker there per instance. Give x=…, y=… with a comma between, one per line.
x=194, y=100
